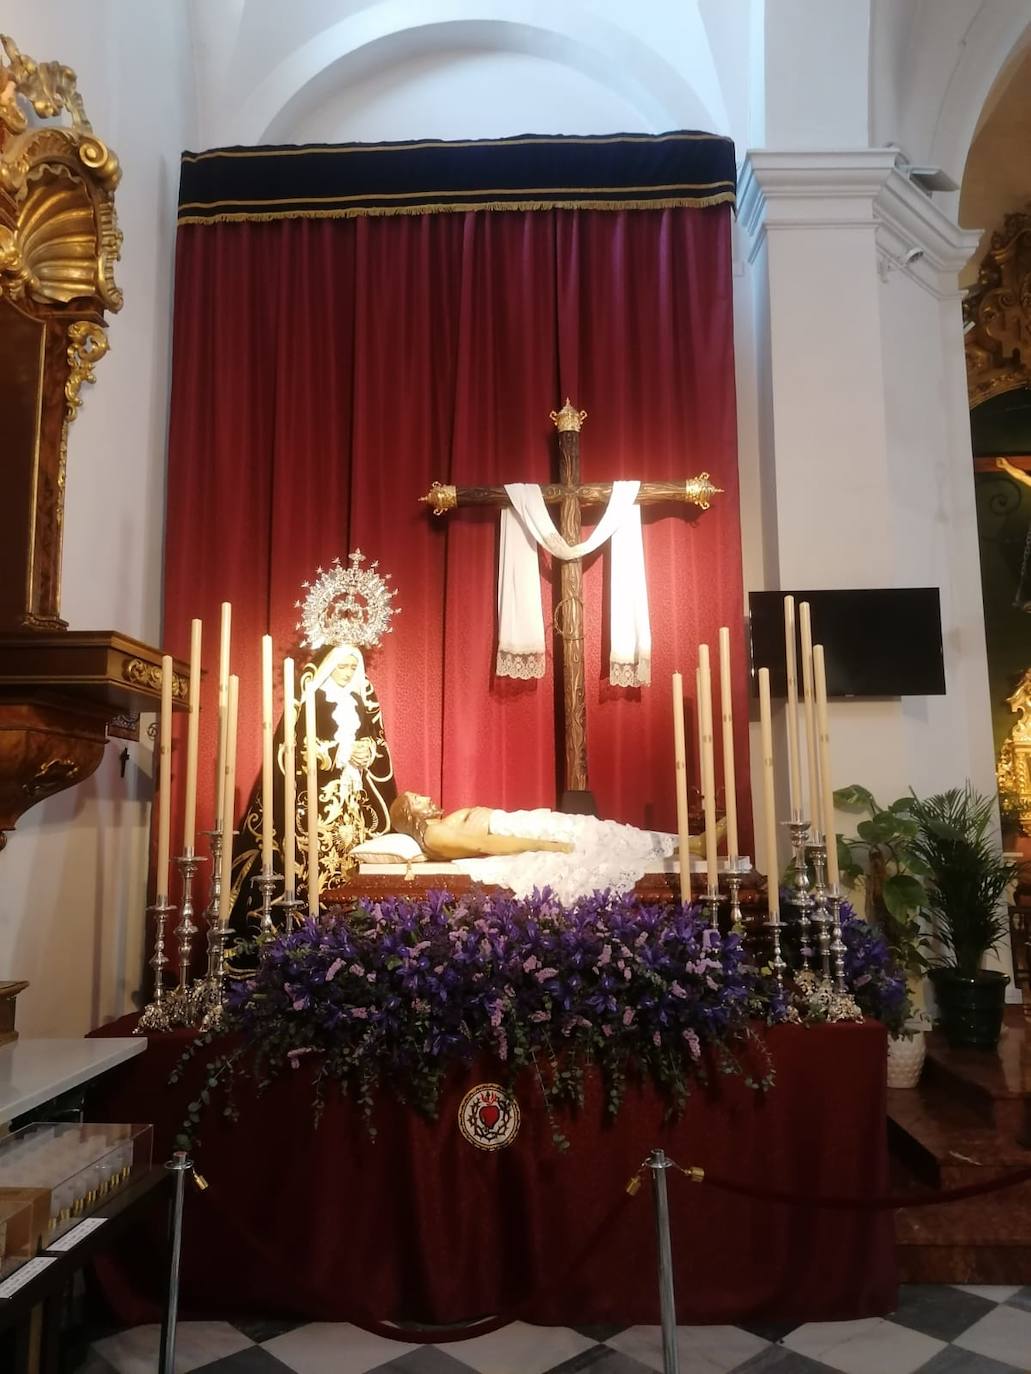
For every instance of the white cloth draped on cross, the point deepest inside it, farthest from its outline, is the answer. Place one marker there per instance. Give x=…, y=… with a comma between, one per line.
x=527, y=523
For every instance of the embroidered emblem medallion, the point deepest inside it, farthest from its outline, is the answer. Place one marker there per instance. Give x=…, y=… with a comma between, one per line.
x=489, y=1117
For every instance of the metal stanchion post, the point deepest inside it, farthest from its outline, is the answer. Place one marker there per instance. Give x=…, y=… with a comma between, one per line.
x=659, y=1162
x=180, y=1164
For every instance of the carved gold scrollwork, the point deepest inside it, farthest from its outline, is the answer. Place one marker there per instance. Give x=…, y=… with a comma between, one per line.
x=143, y=674
x=1014, y=768
x=87, y=344
x=49, y=87
x=699, y=491
x=997, y=312
x=62, y=240
x=53, y=776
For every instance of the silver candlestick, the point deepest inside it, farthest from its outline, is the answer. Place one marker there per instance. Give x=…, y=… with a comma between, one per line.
x=289, y=902
x=266, y=882
x=775, y=925
x=155, y=1016
x=801, y=901
x=842, y=1006
x=211, y=997
x=188, y=864
x=213, y=1004
x=215, y=891
x=734, y=889
x=817, y=852
x=711, y=899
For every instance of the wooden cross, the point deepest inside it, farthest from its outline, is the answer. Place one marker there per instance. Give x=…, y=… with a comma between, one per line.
x=571, y=495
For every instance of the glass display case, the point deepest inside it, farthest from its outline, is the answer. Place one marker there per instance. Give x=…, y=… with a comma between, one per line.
x=65, y=1170
x=17, y=1234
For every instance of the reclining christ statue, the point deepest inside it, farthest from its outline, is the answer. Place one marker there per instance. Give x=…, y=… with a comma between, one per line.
x=574, y=855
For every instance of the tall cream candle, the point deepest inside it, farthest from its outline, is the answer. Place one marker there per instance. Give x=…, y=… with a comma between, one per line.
x=812, y=752
x=266, y=753
x=193, y=725
x=680, y=767
x=823, y=727
x=225, y=636
x=791, y=666
x=228, y=807
x=289, y=781
x=312, y=803
x=708, y=766
x=727, y=710
x=164, y=777
x=769, y=803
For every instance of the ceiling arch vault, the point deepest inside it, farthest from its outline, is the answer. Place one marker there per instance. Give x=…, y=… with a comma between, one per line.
x=368, y=46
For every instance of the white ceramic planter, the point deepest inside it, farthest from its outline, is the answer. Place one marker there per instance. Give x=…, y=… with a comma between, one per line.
x=906, y=1060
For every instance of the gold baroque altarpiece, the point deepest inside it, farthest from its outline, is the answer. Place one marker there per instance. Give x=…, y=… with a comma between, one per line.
x=59, y=243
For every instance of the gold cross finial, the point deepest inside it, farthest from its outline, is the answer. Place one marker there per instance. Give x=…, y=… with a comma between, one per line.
x=568, y=417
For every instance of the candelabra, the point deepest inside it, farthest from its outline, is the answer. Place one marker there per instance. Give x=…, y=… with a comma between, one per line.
x=817, y=852
x=266, y=882
x=802, y=901
x=156, y=1015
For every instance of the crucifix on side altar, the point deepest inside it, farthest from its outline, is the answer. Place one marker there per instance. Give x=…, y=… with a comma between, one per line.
x=571, y=496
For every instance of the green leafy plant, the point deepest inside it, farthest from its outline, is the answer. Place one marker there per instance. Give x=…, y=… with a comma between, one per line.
x=881, y=856
x=966, y=874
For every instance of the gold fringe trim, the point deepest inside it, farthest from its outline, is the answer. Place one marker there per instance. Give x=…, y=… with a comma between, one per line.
x=451, y=207
x=361, y=198
x=302, y=150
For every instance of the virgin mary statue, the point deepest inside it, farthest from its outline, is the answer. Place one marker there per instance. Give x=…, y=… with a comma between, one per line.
x=346, y=608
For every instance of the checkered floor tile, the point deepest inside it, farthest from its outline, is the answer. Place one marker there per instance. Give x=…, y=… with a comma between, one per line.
x=936, y=1330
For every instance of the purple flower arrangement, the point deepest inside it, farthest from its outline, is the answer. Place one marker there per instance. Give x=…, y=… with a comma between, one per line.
x=395, y=994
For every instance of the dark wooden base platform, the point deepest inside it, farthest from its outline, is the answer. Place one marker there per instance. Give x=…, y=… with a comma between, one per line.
x=968, y=1121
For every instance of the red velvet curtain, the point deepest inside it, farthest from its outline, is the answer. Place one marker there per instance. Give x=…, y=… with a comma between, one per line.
x=327, y=371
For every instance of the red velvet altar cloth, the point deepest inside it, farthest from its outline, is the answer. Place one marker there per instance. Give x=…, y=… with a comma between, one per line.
x=419, y=1226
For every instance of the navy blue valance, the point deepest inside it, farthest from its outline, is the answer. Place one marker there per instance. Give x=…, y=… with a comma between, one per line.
x=528, y=172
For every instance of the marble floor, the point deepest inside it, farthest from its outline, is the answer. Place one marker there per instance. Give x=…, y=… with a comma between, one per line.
x=936, y=1330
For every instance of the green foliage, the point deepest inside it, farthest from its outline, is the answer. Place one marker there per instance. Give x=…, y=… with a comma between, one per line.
x=882, y=857
x=967, y=875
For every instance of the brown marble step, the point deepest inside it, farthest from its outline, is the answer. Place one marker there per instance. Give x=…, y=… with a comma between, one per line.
x=944, y=1141
x=994, y=1084
x=925, y=1263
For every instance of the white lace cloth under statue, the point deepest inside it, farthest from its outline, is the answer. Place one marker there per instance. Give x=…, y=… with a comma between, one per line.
x=606, y=854
x=525, y=523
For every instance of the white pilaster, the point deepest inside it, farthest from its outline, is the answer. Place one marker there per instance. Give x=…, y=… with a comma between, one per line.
x=861, y=458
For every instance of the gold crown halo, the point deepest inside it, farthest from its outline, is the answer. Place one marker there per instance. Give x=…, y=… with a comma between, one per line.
x=347, y=604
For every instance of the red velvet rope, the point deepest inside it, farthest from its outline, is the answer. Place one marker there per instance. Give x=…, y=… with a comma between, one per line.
x=883, y=1203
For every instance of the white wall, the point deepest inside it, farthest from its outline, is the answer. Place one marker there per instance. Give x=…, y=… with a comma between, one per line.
x=72, y=875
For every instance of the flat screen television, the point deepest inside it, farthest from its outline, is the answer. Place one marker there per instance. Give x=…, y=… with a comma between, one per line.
x=885, y=642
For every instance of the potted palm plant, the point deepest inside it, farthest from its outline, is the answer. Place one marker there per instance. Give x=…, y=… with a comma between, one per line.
x=877, y=860
x=966, y=877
